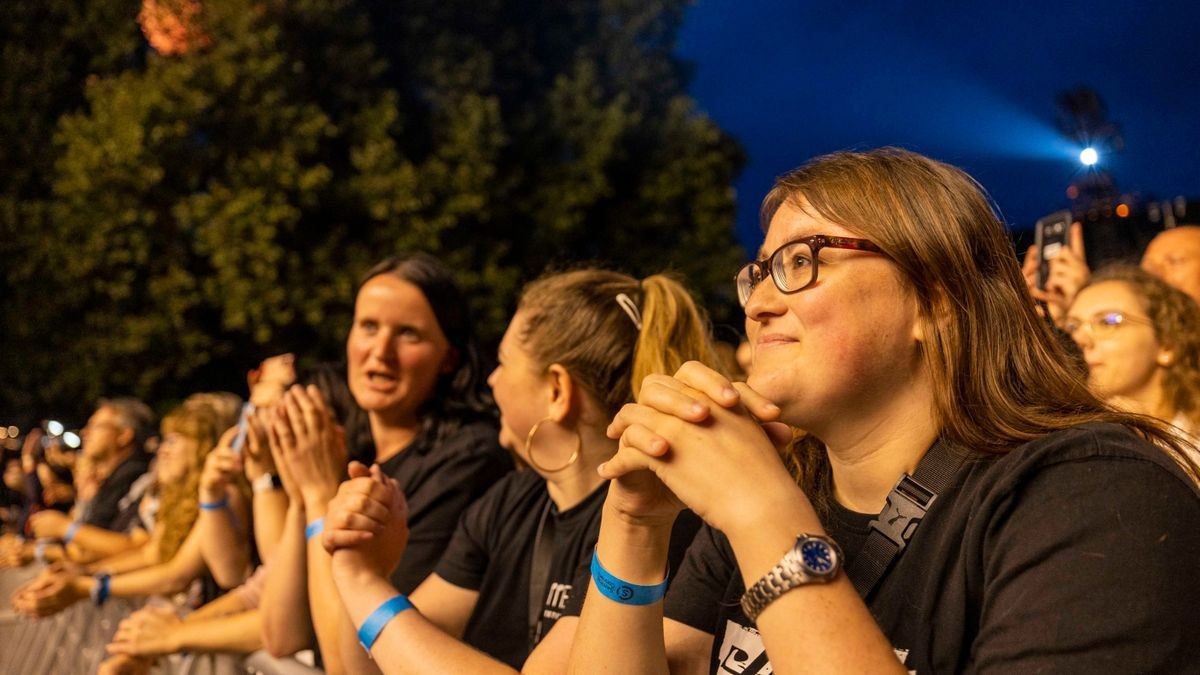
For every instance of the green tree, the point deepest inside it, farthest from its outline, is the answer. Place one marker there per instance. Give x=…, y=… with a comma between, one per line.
x=210, y=207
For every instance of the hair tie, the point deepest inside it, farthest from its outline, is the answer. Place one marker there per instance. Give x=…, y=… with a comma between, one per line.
x=631, y=308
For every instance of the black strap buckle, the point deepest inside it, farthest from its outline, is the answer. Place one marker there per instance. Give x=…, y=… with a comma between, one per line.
x=906, y=506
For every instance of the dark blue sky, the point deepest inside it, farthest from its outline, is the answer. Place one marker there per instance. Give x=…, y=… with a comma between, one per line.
x=970, y=83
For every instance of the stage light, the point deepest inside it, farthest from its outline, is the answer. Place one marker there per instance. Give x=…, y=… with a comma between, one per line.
x=1122, y=210
x=13, y=431
x=1089, y=156
x=54, y=427
x=71, y=439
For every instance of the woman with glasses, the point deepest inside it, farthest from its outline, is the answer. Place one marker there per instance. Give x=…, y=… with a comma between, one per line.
x=1141, y=340
x=961, y=501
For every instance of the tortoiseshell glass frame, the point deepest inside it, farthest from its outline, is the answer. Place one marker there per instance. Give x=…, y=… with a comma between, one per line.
x=815, y=243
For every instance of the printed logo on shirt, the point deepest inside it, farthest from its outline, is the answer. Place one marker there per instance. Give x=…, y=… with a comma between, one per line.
x=556, y=601
x=742, y=652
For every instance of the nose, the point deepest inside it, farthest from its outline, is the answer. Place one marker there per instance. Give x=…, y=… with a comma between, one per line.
x=491, y=378
x=1083, y=336
x=765, y=301
x=380, y=346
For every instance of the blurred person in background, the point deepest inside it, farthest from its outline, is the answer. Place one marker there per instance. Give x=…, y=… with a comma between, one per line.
x=414, y=367
x=1141, y=340
x=171, y=559
x=1173, y=256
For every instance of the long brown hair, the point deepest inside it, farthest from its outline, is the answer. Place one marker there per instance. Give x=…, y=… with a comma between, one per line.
x=202, y=418
x=575, y=319
x=1000, y=378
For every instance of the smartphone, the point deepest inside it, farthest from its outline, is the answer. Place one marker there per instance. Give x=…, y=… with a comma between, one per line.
x=243, y=427
x=1051, y=235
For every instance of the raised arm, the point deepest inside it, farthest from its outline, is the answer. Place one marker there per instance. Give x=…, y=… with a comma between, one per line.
x=367, y=532
x=222, y=523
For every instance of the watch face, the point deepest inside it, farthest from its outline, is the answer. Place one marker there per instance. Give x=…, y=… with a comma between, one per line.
x=817, y=556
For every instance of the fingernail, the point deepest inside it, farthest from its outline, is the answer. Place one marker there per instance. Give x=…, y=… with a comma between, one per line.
x=729, y=392
x=697, y=409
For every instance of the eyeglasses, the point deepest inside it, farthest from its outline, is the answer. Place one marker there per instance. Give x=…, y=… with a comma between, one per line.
x=1103, y=324
x=793, y=266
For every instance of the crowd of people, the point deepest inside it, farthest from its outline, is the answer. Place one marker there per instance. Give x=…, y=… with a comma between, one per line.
x=919, y=472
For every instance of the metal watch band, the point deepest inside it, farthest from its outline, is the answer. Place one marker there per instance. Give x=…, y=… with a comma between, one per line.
x=789, y=573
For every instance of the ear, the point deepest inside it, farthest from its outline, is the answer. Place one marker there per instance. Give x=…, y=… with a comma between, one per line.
x=125, y=437
x=1165, y=357
x=450, y=361
x=561, y=392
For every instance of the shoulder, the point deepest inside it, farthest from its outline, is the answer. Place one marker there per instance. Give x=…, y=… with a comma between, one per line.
x=478, y=437
x=1109, y=450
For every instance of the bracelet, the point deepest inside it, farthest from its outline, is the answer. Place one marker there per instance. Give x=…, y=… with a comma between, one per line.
x=72, y=529
x=619, y=590
x=39, y=550
x=314, y=528
x=102, y=588
x=215, y=506
x=369, y=632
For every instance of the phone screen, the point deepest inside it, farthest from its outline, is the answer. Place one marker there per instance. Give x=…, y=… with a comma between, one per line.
x=243, y=427
x=1052, y=234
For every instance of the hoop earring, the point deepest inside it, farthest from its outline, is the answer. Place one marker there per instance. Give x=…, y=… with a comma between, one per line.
x=529, y=449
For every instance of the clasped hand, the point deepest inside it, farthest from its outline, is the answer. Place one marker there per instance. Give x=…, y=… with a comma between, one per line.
x=366, y=524
x=710, y=442
x=307, y=440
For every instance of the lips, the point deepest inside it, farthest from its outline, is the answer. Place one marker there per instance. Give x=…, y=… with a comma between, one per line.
x=377, y=379
x=773, y=339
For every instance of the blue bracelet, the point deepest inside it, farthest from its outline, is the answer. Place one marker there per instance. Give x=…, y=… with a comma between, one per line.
x=314, y=528
x=72, y=529
x=215, y=506
x=373, y=626
x=619, y=590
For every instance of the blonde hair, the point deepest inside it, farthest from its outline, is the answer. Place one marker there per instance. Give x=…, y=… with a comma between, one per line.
x=574, y=319
x=201, y=418
x=1000, y=377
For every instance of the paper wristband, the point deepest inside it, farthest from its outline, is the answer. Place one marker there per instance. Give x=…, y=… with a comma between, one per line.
x=314, y=528
x=375, y=623
x=72, y=529
x=215, y=506
x=619, y=590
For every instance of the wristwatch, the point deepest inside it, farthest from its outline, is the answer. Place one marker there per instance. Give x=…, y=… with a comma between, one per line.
x=815, y=559
x=266, y=483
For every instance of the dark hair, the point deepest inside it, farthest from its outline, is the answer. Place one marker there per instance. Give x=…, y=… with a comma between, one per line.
x=330, y=378
x=462, y=394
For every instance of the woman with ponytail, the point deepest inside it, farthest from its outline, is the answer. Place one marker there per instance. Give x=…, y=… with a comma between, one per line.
x=577, y=349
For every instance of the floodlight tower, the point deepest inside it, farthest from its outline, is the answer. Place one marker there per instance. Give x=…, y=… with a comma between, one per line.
x=1095, y=200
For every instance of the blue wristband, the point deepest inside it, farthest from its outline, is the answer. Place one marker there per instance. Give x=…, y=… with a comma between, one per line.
x=373, y=626
x=619, y=590
x=314, y=528
x=72, y=529
x=102, y=588
x=215, y=506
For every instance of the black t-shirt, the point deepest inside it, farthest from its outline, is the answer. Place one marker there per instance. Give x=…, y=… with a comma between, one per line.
x=1076, y=552
x=440, y=480
x=105, y=506
x=492, y=552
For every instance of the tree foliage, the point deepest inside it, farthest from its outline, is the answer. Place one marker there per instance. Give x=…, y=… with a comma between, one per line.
x=195, y=212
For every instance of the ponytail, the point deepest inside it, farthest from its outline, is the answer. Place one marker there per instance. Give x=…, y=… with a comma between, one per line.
x=674, y=330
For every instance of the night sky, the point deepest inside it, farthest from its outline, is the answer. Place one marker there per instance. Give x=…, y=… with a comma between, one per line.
x=973, y=84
